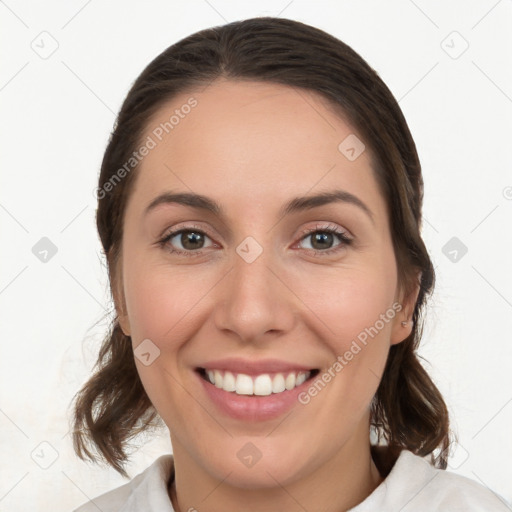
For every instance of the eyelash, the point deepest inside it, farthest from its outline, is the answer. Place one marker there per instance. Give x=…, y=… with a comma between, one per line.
x=345, y=240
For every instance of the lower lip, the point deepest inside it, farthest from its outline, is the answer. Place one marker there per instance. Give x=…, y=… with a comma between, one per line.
x=253, y=407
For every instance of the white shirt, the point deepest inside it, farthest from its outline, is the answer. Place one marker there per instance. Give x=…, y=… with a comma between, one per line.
x=413, y=485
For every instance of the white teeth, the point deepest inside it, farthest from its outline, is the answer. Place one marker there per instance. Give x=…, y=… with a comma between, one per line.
x=218, y=379
x=229, y=382
x=290, y=381
x=244, y=385
x=261, y=385
x=278, y=383
x=300, y=379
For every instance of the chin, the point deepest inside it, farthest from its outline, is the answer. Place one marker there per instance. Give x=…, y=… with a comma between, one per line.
x=258, y=463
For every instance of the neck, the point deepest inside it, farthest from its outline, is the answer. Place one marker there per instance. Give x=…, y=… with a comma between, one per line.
x=341, y=483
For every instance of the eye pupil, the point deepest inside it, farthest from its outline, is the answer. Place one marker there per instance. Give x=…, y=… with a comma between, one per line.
x=321, y=237
x=190, y=236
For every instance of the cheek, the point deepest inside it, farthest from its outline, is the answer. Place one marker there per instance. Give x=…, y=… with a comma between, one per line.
x=349, y=301
x=354, y=315
x=157, y=305
x=161, y=311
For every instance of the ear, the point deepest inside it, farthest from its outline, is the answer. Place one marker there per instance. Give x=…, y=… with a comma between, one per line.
x=120, y=302
x=400, y=332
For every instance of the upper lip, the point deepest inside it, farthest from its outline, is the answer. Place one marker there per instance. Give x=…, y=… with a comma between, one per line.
x=254, y=367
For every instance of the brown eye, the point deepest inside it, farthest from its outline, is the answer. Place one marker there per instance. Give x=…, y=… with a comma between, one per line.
x=322, y=239
x=191, y=240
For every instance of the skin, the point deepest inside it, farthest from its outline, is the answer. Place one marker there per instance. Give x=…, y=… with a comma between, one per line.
x=251, y=147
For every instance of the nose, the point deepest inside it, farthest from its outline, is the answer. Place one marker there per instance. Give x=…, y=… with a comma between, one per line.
x=256, y=302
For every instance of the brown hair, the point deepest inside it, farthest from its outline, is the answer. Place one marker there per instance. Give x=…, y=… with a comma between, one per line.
x=408, y=410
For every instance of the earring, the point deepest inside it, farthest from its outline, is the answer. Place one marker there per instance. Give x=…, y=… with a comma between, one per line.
x=404, y=324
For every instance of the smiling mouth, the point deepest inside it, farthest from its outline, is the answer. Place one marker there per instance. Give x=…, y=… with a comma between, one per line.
x=263, y=384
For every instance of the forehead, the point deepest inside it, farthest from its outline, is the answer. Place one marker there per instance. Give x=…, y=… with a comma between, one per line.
x=251, y=143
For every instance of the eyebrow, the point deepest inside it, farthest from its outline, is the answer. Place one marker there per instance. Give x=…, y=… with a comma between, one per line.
x=295, y=205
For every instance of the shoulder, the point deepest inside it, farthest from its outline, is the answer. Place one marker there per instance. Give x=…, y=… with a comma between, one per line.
x=450, y=491
x=147, y=490
x=414, y=485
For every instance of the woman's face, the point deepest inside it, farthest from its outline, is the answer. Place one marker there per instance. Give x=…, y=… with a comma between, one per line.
x=257, y=293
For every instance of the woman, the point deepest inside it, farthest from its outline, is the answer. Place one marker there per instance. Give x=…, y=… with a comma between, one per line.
x=259, y=205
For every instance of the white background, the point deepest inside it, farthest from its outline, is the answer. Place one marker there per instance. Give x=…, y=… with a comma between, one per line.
x=56, y=116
